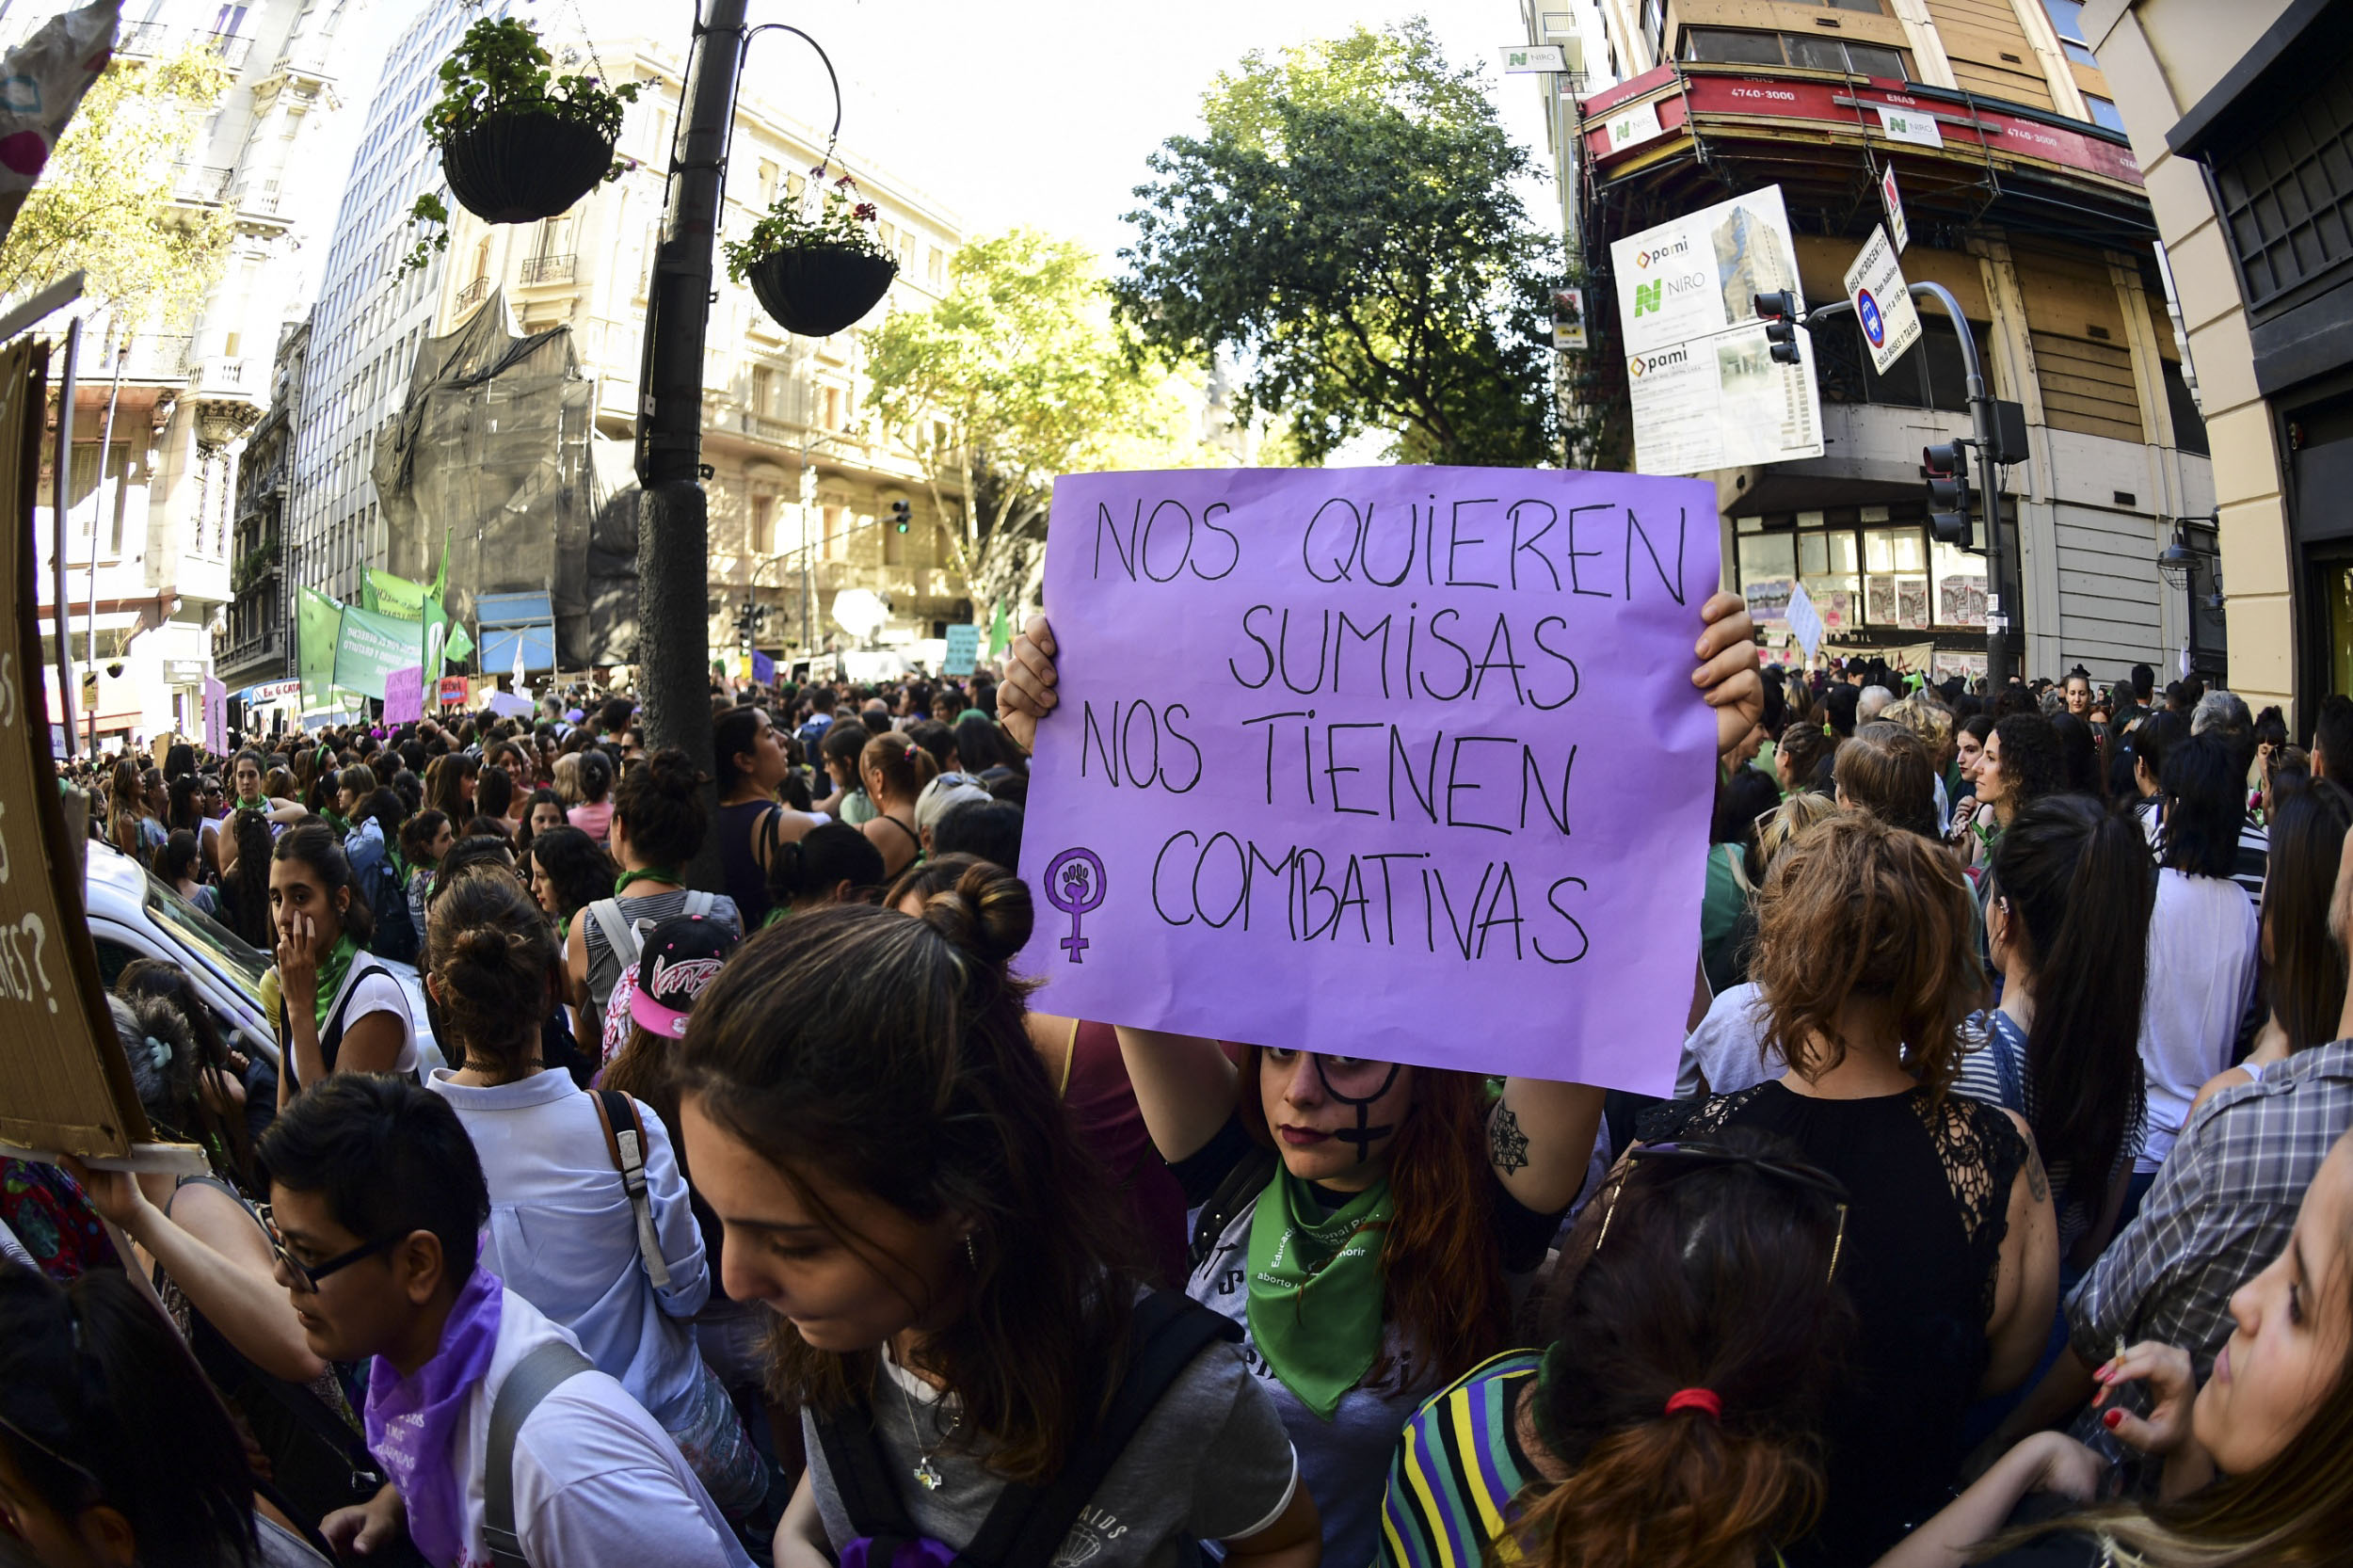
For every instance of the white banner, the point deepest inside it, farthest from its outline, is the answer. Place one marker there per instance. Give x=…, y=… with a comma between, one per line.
x=1706, y=391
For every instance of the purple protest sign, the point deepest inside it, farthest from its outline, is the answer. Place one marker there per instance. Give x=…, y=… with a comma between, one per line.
x=404, y=696
x=1402, y=763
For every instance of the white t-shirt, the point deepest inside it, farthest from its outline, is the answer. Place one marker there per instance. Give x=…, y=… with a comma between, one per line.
x=373, y=989
x=1728, y=1047
x=2203, y=946
x=595, y=1480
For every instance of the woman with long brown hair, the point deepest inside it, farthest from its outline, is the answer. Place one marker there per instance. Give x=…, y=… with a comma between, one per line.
x=131, y=826
x=863, y=1110
x=1293, y=1155
x=1951, y=1251
x=1671, y=1422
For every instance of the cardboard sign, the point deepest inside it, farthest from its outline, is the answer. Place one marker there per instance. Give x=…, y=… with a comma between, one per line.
x=63, y=1083
x=1883, y=302
x=963, y=647
x=1398, y=762
x=404, y=696
x=216, y=716
x=454, y=690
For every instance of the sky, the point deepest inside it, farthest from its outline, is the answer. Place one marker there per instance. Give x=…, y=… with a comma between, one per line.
x=1042, y=112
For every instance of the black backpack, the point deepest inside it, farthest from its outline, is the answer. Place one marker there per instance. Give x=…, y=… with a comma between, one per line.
x=1026, y=1525
x=395, y=933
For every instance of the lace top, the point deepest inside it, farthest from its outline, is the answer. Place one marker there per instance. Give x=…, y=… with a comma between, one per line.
x=1929, y=1181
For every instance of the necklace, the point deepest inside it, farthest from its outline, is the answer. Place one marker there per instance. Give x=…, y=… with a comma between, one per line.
x=926, y=1474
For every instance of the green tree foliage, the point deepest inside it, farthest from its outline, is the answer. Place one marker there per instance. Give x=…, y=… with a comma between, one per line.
x=1017, y=376
x=105, y=205
x=1348, y=229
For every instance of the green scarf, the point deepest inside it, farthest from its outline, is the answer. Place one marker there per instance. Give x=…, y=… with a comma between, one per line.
x=332, y=969
x=649, y=874
x=340, y=824
x=262, y=804
x=1300, y=1258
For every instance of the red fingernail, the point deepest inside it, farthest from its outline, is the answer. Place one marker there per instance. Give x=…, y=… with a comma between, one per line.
x=2112, y=1420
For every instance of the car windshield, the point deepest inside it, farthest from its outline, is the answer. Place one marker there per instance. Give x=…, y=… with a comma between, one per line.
x=222, y=948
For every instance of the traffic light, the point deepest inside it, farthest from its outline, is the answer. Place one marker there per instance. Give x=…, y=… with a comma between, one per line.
x=902, y=512
x=1779, y=311
x=1947, y=470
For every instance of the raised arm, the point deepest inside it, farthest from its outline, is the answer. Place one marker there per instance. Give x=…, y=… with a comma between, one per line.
x=1184, y=1086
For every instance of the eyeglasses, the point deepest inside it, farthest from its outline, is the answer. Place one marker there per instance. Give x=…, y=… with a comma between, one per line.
x=305, y=1277
x=1697, y=1156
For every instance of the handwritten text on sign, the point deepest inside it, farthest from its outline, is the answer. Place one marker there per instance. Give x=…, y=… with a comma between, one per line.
x=1394, y=763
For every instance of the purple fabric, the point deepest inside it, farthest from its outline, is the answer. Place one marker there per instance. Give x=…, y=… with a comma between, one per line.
x=410, y=1421
x=921, y=1552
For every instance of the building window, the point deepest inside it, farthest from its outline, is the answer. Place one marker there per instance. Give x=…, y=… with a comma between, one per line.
x=1865, y=568
x=894, y=545
x=763, y=530
x=2102, y=111
x=832, y=419
x=1929, y=376
x=835, y=541
x=1867, y=7
x=1727, y=46
x=763, y=390
x=2067, y=20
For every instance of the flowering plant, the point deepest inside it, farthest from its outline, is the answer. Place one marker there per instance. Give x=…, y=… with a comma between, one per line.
x=836, y=219
x=500, y=66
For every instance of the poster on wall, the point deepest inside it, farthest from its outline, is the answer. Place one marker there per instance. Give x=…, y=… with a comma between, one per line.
x=1912, y=604
x=1769, y=599
x=1878, y=600
x=1704, y=387
x=1961, y=602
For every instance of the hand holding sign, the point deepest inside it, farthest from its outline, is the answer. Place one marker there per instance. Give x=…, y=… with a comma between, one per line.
x=1355, y=777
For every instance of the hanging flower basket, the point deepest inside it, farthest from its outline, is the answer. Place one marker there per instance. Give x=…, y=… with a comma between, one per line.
x=520, y=168
x=817, y=289
x=818, y=265
x=519, y=143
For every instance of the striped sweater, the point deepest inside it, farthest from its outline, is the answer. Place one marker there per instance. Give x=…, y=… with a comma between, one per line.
x=1457, y=1470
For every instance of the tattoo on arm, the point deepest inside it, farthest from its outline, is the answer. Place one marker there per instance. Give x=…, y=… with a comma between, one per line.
x=2038, y=1185
x=1507, y=1145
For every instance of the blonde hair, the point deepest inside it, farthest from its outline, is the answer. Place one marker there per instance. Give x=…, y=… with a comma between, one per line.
x=1780, y=828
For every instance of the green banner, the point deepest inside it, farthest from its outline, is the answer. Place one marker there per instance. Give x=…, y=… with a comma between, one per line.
x=318, y=625
x=370, y=647
x=382, y=594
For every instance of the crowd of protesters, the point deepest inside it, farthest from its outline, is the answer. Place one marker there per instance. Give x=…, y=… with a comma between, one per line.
x=2004, y=1212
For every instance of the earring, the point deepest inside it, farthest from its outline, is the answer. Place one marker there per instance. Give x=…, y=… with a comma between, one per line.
x=971, y=1253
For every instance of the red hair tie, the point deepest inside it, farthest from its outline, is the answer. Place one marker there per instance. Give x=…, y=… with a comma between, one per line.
x=1702, y=1400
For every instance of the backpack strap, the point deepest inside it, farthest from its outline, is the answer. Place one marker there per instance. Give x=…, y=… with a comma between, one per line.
x=618, y=936
x=624, y=1146
x=861, y=1477
x=1240, y=1186
x=699, y=902
x=331, y=1037
x=542, y=1370
x=1166, y=1334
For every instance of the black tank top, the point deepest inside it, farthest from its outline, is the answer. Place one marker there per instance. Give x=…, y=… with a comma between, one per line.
x=1930, y=1182
x=741, y=876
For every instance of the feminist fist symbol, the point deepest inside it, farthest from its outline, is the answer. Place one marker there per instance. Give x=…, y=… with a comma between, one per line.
x=1075, y=884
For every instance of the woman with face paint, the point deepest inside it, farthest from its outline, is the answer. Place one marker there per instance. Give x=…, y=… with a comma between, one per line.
x=1365, y=1221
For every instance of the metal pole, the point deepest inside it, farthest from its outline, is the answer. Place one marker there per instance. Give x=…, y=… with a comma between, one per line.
x=1982, y=423
x=673, y=526
x=62, y=478
x=106, y=443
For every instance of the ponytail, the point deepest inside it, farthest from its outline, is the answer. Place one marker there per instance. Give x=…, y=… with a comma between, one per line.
x=2078, y=878
x=494, y=959
x=905, y=766
x=1693, y=1349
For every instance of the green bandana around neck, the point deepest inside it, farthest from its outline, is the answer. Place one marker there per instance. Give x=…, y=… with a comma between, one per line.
x=649, y=874
x=332, y=969
x=1301, y=1257
x=259, y=803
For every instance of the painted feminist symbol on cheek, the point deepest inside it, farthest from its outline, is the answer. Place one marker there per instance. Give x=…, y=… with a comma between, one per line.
x=1075, y=884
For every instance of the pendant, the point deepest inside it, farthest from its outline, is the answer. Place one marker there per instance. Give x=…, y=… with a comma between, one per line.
x=926, y=1474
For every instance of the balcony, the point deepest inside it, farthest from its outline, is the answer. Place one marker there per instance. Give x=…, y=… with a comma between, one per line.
x=231, y=49
x=548, y=269
x=200, y=183
x=229, y=378
x=473, y=294
x=255, y=200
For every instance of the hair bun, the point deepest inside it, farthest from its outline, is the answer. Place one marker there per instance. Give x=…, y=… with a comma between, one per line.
x=674, y=774
x=987, y=914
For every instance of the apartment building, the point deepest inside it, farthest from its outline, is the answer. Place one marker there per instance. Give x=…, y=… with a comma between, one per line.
x=2240, y=116
x=149, y=534
x=802, y=477
x=2022, y=199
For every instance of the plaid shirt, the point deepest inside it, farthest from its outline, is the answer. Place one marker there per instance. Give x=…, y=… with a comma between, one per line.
x=2220, y=1212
